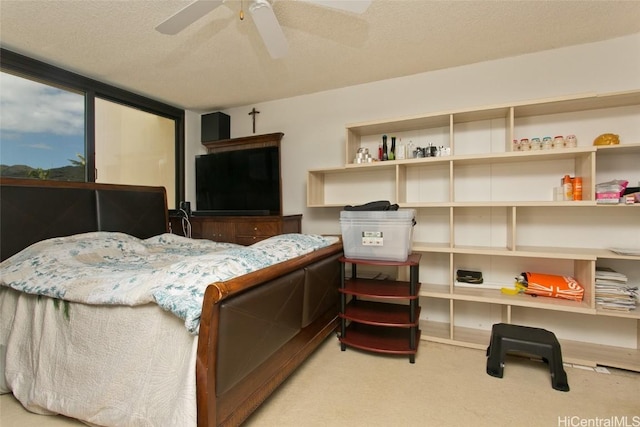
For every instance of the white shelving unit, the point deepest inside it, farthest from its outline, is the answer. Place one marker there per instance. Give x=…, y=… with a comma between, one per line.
x=492, y=209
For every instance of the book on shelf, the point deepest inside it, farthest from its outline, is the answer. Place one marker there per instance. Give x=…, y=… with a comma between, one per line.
x=613, y=292
x=609, y=274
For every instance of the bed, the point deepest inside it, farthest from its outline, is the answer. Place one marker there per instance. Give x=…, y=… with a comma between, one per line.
x=124, y=363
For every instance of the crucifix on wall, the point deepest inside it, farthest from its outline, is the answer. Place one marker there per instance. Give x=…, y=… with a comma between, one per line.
x=253, y=117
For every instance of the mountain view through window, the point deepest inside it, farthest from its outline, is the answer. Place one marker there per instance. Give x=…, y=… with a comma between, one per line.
x=42, y=130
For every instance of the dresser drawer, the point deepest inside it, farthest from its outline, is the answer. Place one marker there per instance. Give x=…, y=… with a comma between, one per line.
x=216, y=231
x=249, y=240
x=258, y=228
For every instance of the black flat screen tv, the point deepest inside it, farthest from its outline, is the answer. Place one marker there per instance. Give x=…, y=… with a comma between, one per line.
x=239, y=182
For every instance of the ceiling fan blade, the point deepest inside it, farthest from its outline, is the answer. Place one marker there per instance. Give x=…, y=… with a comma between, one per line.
x=355, y=6
x=187, y=16
x=269, y=28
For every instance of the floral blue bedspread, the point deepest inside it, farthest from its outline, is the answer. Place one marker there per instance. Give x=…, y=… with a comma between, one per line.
x=170, y=270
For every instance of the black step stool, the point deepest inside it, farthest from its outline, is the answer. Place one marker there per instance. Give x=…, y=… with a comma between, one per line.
x=536, y=341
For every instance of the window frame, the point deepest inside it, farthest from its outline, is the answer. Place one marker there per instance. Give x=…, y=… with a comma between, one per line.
x=25, y=66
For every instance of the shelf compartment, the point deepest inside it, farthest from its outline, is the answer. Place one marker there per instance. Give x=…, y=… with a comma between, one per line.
x=625, y=148
x=476, y=134
x=380, y=314
x=500, y=271
x=530, y=252
x=512, y=178
x=480, y=227
x=586, y=102
x=474, y=338
x=596, y=354
x=586, y=125
x=435, y=291
x=539, y=229
x=581, y=353
x=612, y=159
x=341, y=186
x=435, y=331
x=524, y=156
x=587, y=339
x=493, y=296
x=633, y=314
x=433, y=228
x=418, y=129
x=425, y=181
x=379, y=289
x=631, y=269
x=431, y=247
x=380, y=339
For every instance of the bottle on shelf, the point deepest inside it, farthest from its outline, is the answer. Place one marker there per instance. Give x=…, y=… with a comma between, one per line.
x=567, y=188
x=392, y=152
x=385, y=155
x=411, y=150
x=577, y=188
x=401, y=152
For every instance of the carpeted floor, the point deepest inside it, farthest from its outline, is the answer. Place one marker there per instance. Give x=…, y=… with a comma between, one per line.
x=447, y=386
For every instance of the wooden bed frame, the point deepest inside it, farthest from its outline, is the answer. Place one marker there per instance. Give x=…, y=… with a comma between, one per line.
x=33, y=210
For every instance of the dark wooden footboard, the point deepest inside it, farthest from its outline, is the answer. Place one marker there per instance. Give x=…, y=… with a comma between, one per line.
x=231, y=406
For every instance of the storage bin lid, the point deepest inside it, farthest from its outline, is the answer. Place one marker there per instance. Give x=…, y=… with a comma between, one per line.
x=400, y=214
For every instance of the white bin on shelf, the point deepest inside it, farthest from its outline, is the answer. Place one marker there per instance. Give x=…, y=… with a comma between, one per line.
x=377, y=235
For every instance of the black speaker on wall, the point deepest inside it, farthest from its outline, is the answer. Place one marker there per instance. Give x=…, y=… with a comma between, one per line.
x=215, y=126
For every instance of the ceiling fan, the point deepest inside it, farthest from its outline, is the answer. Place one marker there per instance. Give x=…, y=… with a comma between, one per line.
x=263, y=17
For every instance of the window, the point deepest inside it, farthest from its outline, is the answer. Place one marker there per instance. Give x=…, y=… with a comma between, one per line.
x=134, y=147
x=41, y=130
x=75, y=114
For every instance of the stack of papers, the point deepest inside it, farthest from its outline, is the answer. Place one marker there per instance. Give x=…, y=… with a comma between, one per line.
x=626, y=251
x=613, y=292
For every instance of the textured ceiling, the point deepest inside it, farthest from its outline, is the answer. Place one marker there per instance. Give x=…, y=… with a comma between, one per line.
x=220, y=62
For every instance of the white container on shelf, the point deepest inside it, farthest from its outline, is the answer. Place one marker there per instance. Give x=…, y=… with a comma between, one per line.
x=377, y=235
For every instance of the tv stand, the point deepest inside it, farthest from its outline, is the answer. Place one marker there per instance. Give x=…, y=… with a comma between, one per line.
x=241, y=229
x=253, y=212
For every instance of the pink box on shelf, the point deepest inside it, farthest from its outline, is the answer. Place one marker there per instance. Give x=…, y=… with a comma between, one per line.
x=608, y=195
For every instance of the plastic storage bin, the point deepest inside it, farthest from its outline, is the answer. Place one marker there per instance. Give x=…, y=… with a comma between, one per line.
x=377, y=235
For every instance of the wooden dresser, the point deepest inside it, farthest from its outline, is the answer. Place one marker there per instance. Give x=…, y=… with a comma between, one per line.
x=243, y=230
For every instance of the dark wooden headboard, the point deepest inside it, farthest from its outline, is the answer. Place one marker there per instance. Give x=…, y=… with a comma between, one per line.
x=32, y=210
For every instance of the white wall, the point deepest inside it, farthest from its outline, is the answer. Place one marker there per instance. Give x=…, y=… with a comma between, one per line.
x=314, y=125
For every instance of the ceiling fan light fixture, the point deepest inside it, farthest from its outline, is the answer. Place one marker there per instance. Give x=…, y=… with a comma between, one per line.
x=263, y=18
x=257, y=4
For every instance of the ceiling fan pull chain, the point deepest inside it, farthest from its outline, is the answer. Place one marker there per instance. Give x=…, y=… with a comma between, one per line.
x=242, y=10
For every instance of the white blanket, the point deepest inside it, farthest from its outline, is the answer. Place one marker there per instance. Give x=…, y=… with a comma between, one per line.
x=105, y=365
x=118, y=269
x=100, y=350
